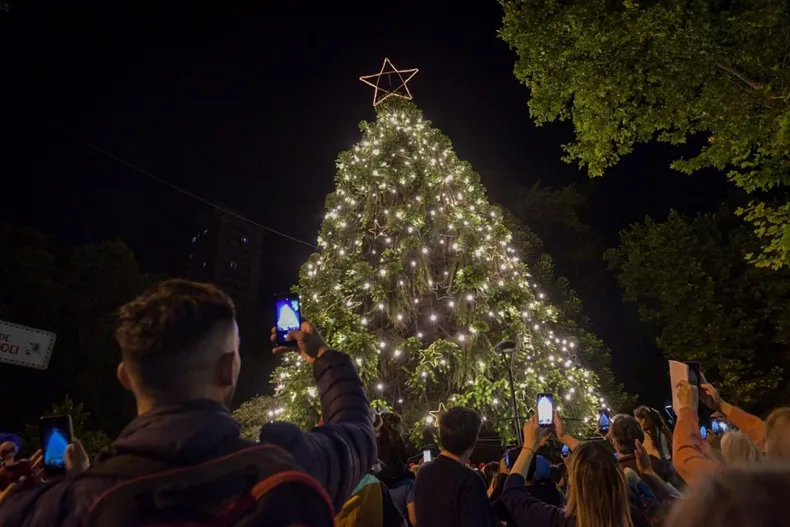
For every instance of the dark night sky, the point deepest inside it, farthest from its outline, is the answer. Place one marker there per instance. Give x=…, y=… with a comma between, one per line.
x=250, y=107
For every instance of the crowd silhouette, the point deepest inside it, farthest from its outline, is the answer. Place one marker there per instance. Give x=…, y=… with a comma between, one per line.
x=182, y=460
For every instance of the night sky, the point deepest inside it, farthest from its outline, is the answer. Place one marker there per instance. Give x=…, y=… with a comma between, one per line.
x=249, y=107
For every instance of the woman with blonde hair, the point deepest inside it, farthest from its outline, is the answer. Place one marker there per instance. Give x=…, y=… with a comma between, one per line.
x=737, y=448
x=597, y=489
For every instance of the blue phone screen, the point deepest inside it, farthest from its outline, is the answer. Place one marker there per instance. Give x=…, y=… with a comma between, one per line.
x=55, y=439
x=703, y=432
x=603, y=422
x=289, y=316
x=565, y=451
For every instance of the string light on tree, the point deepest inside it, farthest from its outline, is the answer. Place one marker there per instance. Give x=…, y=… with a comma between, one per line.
x=417, y=275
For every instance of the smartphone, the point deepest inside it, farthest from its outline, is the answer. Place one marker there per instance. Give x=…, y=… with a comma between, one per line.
x=288, y=311
x=426, y=456
x=694, y=373
x=670, y=413
x=718, y=426
x=566, y=451
x=703, y=432
x=56, y=434
x=545, y=410
x=603, y=421
x=511, y=454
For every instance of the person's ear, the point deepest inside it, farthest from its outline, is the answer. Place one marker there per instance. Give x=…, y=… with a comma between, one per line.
x=123, y=377
x=226, y=370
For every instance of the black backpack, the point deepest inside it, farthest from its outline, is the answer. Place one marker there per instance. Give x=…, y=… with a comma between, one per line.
x=258, y=485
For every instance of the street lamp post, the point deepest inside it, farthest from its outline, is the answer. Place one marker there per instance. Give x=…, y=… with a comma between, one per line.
x=507, y=348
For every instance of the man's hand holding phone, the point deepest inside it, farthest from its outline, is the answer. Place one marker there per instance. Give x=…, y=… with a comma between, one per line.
x=308, y=341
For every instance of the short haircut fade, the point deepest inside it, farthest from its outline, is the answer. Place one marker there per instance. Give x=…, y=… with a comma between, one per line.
x=160, y=330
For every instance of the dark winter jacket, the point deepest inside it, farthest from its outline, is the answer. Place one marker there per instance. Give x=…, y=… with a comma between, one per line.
x=338, y=454
x=528, y=511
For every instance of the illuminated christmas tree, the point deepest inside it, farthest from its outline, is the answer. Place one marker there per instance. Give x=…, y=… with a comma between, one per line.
x=417, y=279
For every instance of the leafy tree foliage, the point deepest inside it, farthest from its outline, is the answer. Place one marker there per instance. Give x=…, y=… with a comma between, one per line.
x=252, y=414
x=417, y=278
x=75, y=294
x=626, y=72
x=691, y=282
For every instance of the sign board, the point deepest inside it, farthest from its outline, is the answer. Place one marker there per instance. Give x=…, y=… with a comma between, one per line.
x=25, y=346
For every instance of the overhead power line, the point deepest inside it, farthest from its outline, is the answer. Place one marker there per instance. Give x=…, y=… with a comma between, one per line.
x=182, y=190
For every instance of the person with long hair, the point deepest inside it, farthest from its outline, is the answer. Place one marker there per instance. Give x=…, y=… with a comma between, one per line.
x=598, y=493
x=658, y=437
x=738, y=449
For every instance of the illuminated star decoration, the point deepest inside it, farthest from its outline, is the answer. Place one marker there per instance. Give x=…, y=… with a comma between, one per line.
x=437, y=413
x=382, y=94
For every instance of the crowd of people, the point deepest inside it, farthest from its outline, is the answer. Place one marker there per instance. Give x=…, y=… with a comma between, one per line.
x=182, y=460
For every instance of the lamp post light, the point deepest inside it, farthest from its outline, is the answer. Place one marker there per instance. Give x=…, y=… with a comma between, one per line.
x=508, y=348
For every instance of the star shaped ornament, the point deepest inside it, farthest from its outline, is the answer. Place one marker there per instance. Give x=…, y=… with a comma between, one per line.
x=386, y=86
x=438, y=413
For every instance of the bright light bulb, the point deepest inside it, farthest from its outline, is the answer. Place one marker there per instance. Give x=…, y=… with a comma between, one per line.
x=551, y=358
x=359, y=361
x=567, y=397
x=541, y=378
x=470, y=297
x=433, y=317
x=501, y=283
x=381, y=307
x=382, y=344
x=342, y=252
x=424, y=373
x=451, y=303
x=400, y=401
x=429, y=419
x=399, y=317
x=396, y=353
x=495, y=400
x=389, y=240
x=424, y=250
x=568, y=363
x=455, y=246
x=364, y=321
x=366, y=286
x=413, y=263
x=419, y=335
x=461, y=337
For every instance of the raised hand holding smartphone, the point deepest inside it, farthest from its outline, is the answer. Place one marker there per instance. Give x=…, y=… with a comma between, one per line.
x=307, y=340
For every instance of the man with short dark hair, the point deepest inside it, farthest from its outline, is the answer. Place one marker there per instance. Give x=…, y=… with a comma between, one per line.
x=447, y=492
x=624, y=432
x=180, y=359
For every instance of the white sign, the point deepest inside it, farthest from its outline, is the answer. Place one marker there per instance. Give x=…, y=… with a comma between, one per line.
x=24, y=346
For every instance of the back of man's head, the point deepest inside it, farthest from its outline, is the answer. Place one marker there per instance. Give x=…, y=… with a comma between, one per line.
x=458, y=430
x=624, y=431
x=179, y=341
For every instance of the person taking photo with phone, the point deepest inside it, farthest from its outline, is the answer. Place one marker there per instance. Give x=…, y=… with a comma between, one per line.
x=598, y=494
x=179, y=343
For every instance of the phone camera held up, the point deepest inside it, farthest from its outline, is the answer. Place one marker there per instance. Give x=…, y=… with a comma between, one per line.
x=288, y=311
x=545, y=410
x=56, y=434
x=603, y=421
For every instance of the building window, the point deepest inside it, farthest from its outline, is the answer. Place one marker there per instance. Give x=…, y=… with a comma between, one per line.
x=244, y=240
